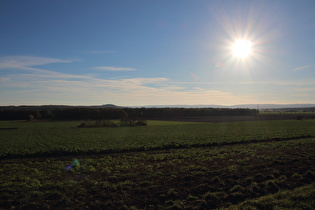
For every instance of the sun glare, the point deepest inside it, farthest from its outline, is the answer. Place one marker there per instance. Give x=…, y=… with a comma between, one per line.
x=242, y=48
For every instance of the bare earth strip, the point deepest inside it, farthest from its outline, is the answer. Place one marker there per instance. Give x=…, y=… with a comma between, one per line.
x=192, y=178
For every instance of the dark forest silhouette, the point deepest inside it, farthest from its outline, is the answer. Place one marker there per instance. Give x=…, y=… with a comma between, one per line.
x=124, y=113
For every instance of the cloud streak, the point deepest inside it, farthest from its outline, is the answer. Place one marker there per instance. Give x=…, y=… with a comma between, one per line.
x=302, y=68
x=264, y=82
x=135, y=91
x=23, y=62
x=56, y=88
x=39, y=86
x=113, y=68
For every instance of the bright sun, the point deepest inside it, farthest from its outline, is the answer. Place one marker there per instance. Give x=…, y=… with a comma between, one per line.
x=242, y=48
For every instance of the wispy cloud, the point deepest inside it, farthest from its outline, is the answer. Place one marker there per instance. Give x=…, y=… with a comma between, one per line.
x=263, y=82
x=91, y=90
x=145, y=80
x=302, y=67
x=39, y=86
x=281, y=82
x=27, y=63
x=56, y=88
x=113, y=68
x=22, y=62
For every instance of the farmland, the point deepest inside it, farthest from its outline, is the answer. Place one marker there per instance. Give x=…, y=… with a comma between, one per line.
x=163, y=165
x=44, y=138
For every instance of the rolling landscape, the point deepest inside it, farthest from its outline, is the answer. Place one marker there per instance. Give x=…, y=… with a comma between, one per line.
x=151, y=105
x=165, y=164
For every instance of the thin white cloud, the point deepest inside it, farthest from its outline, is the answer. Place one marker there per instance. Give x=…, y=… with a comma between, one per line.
x=39, y=86
x=31, y=88
x=90, y=90
x=264, y=82
x=145, y=80
x=27, y=63
x=22, y=62
x=42, y=80
x=172, y=88
x=113, y=68
x=302, y=67
x=280, y=82
x=199, y=88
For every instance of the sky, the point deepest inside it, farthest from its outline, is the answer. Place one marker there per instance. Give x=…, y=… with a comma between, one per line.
x=137, y=52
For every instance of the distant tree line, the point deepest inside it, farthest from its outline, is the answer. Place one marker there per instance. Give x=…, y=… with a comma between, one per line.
x=187, y=112
x=125, y=113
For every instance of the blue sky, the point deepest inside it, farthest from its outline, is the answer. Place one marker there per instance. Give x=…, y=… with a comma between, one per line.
x=136, y=52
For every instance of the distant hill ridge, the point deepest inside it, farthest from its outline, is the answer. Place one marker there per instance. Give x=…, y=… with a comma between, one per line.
x=60, y=106
x=245, y=106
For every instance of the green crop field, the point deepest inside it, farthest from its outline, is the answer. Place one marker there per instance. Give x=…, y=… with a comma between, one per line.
x=165, y=165
x=65, y=138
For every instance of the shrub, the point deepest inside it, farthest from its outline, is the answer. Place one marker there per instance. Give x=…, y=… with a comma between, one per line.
x=141, y=123
x=110, y=123
x=124, y=123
